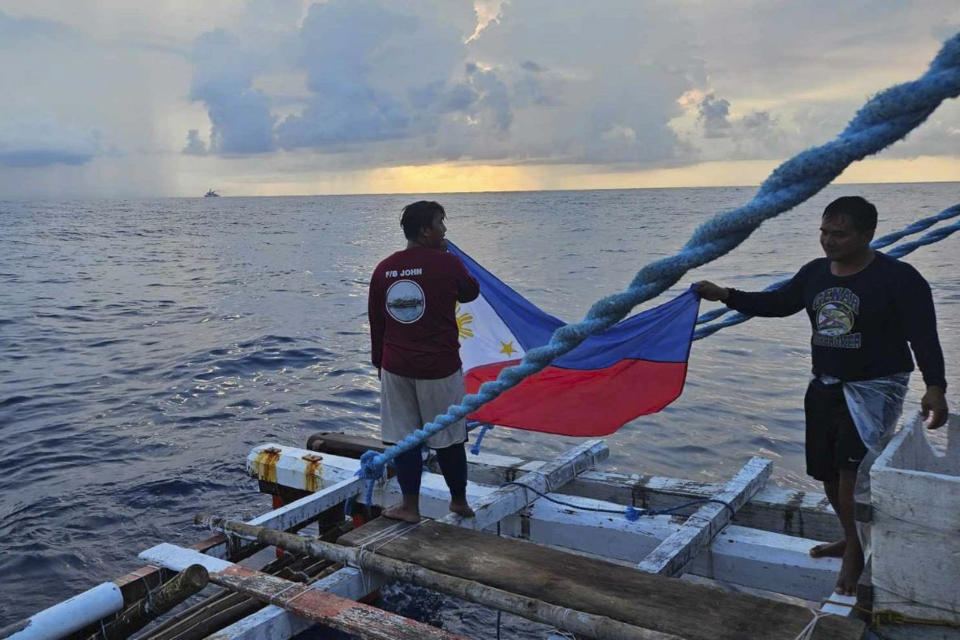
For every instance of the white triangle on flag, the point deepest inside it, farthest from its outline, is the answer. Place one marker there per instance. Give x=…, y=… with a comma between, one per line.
x=484, y=338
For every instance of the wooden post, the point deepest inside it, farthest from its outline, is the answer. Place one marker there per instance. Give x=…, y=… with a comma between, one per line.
x=674, y=553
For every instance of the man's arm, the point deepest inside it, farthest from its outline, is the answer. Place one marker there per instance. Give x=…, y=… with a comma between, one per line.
x=785, y=301
x=467, y=286
x=919, y=320
x=376, y=315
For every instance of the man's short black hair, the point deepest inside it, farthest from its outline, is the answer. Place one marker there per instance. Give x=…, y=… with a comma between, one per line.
x=861, y=212
x=419, y=215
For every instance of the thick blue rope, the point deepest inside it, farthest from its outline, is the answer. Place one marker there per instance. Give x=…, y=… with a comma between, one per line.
x=884, y=119
x=897, y=252
x=884, y=241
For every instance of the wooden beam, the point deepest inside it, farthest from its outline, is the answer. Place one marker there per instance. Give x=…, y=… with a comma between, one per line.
x=342, y=614
x=674, y=553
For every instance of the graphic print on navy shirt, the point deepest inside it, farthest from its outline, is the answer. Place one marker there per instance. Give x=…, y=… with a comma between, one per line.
x=835, y=313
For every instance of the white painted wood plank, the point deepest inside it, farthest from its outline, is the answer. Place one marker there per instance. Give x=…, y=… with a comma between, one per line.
x=768, y=561
x=509, y=499
x=310, y=506
x=177, y=558
x=299, y=511
x=839, y=605
x=806, y=514
x=698, y=530
x=298, y=468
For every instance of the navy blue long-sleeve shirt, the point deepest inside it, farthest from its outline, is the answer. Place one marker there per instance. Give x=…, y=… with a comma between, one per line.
x=862, y=322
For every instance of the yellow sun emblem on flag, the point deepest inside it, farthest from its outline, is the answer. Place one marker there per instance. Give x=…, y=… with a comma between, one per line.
x=463, y=319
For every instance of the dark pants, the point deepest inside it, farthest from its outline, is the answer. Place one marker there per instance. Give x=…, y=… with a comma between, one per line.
x=453, y=464
x=833, y=442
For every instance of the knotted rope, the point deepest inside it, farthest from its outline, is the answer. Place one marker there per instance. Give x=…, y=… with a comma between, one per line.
x=884, y=119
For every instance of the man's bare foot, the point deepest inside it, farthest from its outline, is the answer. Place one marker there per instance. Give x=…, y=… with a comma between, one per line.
x=461, y=508
x=398, y=512
x=850, y=571
x=829, y=549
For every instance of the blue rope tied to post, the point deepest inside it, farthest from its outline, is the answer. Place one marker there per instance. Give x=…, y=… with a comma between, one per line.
x=475, y=449
x=897, y=252
x=884, y=119
x=884, y=241
x=630, y=513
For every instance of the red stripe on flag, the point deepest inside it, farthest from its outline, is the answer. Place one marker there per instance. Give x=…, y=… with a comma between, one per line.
x=576, y=402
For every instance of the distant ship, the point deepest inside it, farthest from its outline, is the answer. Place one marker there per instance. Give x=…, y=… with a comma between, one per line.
x=211, y=194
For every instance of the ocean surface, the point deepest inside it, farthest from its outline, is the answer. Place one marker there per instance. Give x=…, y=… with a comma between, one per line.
x=147, y=345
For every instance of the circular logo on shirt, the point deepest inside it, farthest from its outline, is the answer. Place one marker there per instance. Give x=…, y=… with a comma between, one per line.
x=834, y=319
x=405, y=301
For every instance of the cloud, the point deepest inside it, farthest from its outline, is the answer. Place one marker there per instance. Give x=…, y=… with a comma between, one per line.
x=713, y=115
x=380, y=71
x=14, y=29
x=337, y=85
x=223, y=78
x=195, y=146
x=421, y=81
x=40, y=141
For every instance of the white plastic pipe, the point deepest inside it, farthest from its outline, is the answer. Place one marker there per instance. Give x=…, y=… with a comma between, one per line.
x=72, y=615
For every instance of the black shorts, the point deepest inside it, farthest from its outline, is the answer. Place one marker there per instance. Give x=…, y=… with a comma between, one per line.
x=832, y=439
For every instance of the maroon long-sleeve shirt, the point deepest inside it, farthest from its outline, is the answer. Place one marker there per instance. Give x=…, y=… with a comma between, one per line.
x=412, y=311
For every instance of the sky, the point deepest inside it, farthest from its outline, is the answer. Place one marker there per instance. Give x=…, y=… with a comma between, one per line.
x=123, y=98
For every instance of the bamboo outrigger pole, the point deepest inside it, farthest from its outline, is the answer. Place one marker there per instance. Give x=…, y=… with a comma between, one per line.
x=588, y=624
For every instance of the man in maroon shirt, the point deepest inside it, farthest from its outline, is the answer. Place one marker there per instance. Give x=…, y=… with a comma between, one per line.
x=416, y=349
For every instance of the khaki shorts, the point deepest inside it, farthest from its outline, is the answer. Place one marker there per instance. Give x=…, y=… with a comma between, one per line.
x=406, y=404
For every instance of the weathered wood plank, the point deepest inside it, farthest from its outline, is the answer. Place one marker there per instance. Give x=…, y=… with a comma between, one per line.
x=674, y=553
x=576, y=621
x=645, y=600
x=305, y=601
x=276, y=623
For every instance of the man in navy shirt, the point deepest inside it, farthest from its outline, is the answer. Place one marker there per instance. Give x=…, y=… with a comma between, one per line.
x=864, y=309
x=415, y=347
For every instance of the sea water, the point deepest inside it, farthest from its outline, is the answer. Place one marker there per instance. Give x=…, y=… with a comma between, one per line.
x=147, y=345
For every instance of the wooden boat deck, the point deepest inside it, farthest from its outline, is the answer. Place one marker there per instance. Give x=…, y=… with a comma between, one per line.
x=642, y=599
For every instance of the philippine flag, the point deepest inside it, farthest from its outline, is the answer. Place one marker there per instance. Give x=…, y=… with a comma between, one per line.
x=636, y=367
